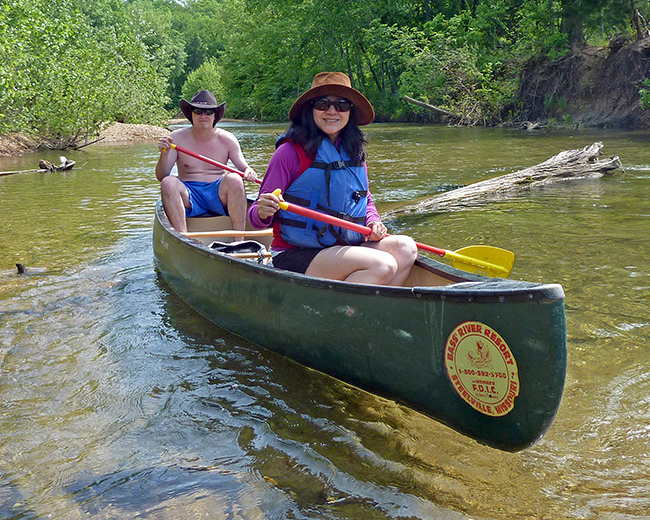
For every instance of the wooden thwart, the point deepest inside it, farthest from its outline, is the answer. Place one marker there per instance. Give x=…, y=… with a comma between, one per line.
x=249, y=255
x=230, y=233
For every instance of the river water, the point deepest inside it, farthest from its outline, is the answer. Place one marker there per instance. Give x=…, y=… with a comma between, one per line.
x=119, y=401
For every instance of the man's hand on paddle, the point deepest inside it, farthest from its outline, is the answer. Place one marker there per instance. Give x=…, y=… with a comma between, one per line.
x=165, y=144
x=250, y=174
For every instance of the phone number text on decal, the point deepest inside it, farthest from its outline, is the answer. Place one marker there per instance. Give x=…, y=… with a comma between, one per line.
x=482, y=373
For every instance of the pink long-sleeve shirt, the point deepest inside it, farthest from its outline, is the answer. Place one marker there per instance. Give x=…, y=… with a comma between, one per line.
x=283, y=170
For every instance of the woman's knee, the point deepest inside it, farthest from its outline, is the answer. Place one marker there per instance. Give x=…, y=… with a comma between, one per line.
x=410, y=249
x=404, y=249
x=385, y=267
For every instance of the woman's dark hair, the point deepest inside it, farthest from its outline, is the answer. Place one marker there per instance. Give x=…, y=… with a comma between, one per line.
x=309, y=136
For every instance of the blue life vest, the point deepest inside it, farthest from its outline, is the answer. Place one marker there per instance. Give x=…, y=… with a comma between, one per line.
x=332, y=184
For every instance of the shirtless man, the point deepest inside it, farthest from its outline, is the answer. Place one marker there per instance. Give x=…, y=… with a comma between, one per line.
x=200, y=187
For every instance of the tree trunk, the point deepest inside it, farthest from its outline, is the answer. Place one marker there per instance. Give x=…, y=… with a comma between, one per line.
x=565, y=165
x=572, y=22
x=636, y=22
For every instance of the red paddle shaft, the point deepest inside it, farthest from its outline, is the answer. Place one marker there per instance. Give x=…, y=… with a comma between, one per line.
x=364, y=230
x=329, y=219
x=210, y=161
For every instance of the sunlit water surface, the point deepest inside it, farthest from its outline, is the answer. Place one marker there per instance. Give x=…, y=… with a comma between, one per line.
x=119, y=401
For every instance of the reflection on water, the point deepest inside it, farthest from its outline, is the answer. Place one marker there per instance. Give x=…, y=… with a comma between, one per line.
x=118, y=401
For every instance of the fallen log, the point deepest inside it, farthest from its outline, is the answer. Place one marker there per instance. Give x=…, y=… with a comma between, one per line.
x=47, y=166
x=432, y=108
x=569, y=164
x=64, y=164
x=22, y=171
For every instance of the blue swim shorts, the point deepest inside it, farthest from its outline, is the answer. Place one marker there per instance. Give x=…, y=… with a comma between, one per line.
x=204, y=198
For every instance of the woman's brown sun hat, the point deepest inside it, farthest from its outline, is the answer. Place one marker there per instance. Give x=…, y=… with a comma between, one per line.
x=203, y=99
x=334, y=84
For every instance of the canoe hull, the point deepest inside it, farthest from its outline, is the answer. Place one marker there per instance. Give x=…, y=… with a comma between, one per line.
x=396, y=342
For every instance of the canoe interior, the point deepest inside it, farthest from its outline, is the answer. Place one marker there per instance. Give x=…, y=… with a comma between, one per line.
x=206, y=231
x=485, y=356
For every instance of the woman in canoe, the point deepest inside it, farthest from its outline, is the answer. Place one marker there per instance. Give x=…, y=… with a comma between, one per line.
x=320, y=163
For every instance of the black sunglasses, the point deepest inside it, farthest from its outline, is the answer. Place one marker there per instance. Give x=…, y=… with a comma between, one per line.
x=341, y=105
x=206, y=111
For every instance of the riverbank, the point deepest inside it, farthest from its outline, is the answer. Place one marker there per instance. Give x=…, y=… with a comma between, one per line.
x=19, y=144
x=590, y=87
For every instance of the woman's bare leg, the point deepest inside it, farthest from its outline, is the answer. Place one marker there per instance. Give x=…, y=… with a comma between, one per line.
x=387, y=262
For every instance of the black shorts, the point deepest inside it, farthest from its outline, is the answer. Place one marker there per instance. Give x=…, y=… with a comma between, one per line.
x=296, y=259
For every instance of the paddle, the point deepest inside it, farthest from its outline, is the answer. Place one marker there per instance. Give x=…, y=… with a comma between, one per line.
x=487, y=260
x=210, y=161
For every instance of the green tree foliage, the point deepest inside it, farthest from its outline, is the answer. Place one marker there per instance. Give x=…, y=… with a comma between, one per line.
x=277, y=55
x=66, y=72
x=203, y=28
x=207, y=76
x=71, y=64
x=645, y=94
x=153, y=25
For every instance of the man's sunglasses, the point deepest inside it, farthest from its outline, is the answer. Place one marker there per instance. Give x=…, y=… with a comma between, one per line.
x=206, y=111
x=341, y=105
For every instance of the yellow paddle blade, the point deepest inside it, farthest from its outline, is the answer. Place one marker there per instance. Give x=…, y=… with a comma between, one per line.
x=485, y=260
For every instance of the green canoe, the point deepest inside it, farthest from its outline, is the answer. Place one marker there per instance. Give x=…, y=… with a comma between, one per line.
x=485, y=356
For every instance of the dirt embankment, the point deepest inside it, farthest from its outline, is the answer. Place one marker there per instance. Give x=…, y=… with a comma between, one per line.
x=122, y=132
x=591, y=86
x=17, y=144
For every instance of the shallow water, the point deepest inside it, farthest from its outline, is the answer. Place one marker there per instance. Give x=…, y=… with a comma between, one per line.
x=119, y=401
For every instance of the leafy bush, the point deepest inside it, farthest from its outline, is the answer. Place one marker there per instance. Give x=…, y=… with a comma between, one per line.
x=63, y=76
x=207, y=76
x=645, y=94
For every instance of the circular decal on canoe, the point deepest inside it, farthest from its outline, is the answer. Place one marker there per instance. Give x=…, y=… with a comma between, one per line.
x=482, y=368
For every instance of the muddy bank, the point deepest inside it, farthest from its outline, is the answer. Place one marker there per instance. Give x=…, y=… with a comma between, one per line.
x=18, y=144
x=590, y=86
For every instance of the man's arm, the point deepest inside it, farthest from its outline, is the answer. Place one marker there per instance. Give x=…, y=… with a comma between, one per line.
x=237, y=157
x=167, y=159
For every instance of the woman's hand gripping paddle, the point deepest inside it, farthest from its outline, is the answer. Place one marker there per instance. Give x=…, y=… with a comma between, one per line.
x=485, y=260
